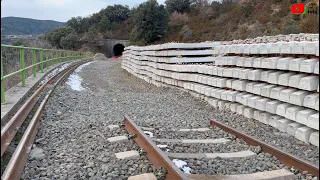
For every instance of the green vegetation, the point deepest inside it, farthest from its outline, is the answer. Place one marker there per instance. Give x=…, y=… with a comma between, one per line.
x=183, y=21
x=26, y=26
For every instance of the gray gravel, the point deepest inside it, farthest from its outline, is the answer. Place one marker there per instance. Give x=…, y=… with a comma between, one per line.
x=73, y=123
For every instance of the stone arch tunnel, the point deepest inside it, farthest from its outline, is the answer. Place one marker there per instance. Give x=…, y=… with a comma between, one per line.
x=114, y=47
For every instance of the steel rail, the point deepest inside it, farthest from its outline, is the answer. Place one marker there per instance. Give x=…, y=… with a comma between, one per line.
x=12, y=126
x=283, y=157
x=19, y=158
x=154, y=154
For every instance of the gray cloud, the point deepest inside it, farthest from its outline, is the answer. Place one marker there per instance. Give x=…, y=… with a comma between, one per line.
x=59, y=10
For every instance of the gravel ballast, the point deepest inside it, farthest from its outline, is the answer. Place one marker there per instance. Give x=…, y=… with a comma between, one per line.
x=73, y=129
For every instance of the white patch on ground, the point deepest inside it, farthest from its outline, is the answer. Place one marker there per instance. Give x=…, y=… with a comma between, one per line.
x=161, y=146
x=148, y=133
x=54, y=72
x=182, y=165
x=74, y=80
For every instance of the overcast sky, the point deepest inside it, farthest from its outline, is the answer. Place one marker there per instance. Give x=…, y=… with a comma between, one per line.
x=58, y=10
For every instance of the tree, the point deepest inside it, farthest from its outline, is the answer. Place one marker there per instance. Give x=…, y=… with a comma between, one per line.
x=54, y=37
x=151, y=21
x=70, y=41
x=290, y=27
x=180, y=6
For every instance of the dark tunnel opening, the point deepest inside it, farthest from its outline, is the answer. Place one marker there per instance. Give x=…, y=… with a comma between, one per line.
x=118, y=49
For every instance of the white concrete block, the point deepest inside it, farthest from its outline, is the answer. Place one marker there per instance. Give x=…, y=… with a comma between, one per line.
x=239, y=96
x=257, y=62
x=215, y=71
x=127, y=154
x=309, y=83
x=233, y=107
x=220, y=71
x=282, y=108
x=297, y=47
x=264, y=62
x=273, y=120
x=308, y=65
x=271, y=106
x=221, y=82
x=297, y=97
x=303, y=115
x=284, y=79
x=273, y=78
x=240, y=61
x=260, y=104
x=249, y=86
x=248, y=113
x=243, y=74
x=265, y=75
x=310, y=47
x=275, y=48
x=282, y=124
x=256, y=115
x=265, y=90
x=229, y=83
x=254, y=75
x=239, y=85
x=228, y=72
x=248, y=62
x=316, y=68
x=295, y=64
x=275, y=92
x=240, y=109
x=286, y=47
x=217, y=94
x=285, y=94
x=292, y=128
x=303, y=133
x=252, y=101
x=232, y=60
x=295, y=80
x=313, y=121
x=257, y=88
x=291, y=112
x=207, y=91
x=244, y=99
x=236, y=71
x=223, y=95
x=283, y=63
x=264, y=117
x=231, y=96
x=271, y=63
x=255, y=49
x=314, y=138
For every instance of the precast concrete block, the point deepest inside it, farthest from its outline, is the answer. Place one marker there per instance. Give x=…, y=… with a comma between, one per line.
x=213, y=91
x=295, y=64
x=214, y=82
x=316, y=68
x=256, y=115
x=265, y=75
x=215, y=71
x=209, y=70
x=208, y=91
x=220, y=71
x=233, y=107
x=313, y=121
x=251, y=102
x=309, y=83
x=254, y=75
x=231, y=96
x=275, y=48
x=273, y=78
x=297, y=98
x=303, y=133
x=308, y=65
x=232, y=60
x=295, y=80
x=292, y=128
x=264, y=117
x=271, y=63
x=286, y=48
x=243, y=74
x=297, y=47
x=248, y=113
x=217, y=94
x=244, y=99
x=285, y=94
x=282, y=124
x=239, y=96
x=229, y=83
x=240, y=61
x=282, y=108
x=236, y=71
x=249, y=86
x=221, y=104
x=257, y=62
x=266, y=90
x=284, y=78
x=240, y=109
x=283, y=63
x=227, y=72
x=260, y=104
x=255, y=49
x=264, y=62
x=239, y=85
x=221, y=82
x=273, y=120
x=314, y=138
x=271, y=106
x=257, y=88
x=317, y=105
x=223, y=95
x=292, y=112
x=248, y=62
x=209, y=81
x=310, y=47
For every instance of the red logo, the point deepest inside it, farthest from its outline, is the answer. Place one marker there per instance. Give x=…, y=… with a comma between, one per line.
x=297, y=8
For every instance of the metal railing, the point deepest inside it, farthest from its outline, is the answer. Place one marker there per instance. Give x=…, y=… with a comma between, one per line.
x=40, y=59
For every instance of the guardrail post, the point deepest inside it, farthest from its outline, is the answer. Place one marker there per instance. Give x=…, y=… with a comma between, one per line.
x=47, y=59
x=34, y=67
x=51, y=55
x=23, y=72
x=2, y=83
x=41, y=60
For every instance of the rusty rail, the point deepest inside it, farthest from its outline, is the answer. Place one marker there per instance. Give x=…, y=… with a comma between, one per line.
x=19, y=158
x=154, y=154
x=283, y=157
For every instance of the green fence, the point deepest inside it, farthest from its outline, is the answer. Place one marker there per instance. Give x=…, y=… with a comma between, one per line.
x=28, y=60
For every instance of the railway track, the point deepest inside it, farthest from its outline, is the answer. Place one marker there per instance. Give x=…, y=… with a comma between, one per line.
x=198, y=159
x=27, y=120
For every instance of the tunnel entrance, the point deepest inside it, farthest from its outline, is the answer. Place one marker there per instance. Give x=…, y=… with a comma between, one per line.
x=118, y=49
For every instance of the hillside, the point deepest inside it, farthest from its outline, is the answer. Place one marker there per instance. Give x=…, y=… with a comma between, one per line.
x=26, y=26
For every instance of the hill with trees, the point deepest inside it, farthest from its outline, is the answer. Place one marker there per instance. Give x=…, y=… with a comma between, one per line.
x=26, y=26
x=183, y=21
